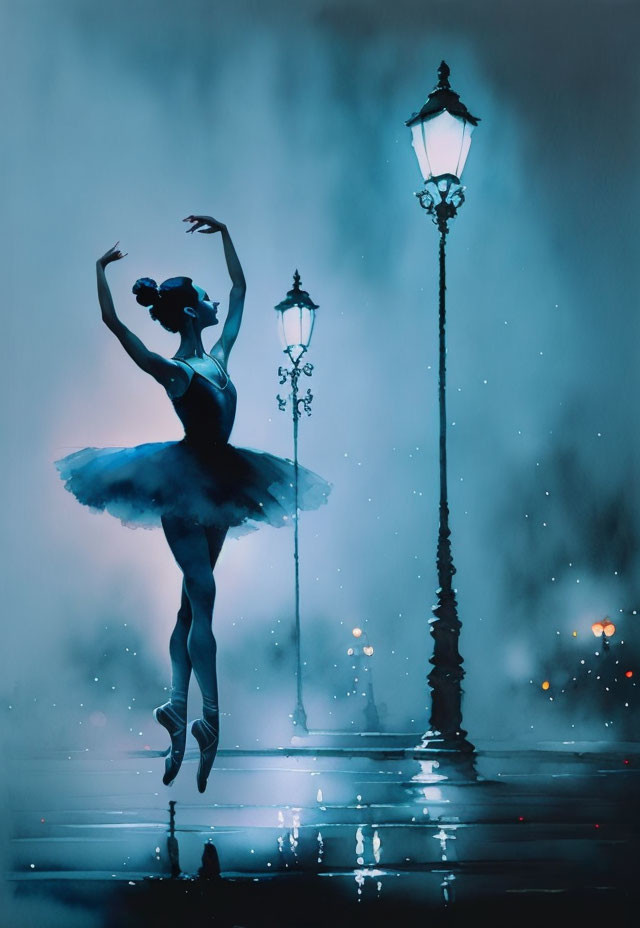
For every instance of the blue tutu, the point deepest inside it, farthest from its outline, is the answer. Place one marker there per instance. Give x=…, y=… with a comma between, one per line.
x=201, y=478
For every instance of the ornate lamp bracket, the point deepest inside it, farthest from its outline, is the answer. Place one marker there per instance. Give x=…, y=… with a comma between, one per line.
x=306, y=403
x=297, y=402
x=441, y=198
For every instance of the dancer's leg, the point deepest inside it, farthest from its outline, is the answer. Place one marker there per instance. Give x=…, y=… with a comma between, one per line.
x=190, y=545
x=173, y=714
x=179, y=653
x=199, y=634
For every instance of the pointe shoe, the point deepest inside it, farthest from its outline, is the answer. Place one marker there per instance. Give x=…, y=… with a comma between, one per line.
x=207, y=737
x=168, y=717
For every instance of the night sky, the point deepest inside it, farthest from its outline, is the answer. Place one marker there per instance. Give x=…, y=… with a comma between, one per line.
x=286, y=121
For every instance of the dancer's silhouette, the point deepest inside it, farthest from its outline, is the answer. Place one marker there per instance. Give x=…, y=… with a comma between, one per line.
x=197, y=488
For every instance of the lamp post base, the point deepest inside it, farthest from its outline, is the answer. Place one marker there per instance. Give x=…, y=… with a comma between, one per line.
x=299, y=721
x=442, y=759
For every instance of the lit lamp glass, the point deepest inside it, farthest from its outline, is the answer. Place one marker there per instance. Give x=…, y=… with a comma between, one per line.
x=441, y=133
x=441, y=144
x=297, y=313
x=357, y=632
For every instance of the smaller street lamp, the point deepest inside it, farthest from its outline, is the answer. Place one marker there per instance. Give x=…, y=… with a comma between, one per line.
x=297, y=313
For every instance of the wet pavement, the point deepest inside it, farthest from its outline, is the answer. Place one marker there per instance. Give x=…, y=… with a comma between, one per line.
x=367, y=832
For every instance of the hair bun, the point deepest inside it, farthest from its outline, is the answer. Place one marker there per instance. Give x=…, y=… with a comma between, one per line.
x=146, y=291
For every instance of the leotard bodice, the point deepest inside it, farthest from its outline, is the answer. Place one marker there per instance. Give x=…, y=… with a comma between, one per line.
x=207, y=411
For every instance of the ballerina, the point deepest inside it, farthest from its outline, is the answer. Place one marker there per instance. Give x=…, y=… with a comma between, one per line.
x=200, y=488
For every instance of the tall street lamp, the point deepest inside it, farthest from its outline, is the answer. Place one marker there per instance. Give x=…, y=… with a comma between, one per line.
x=441, y=138
x=297, y=314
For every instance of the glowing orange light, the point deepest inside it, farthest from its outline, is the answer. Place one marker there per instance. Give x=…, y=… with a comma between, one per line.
x=605, y=627
x=368, y=650
x=357, y=632
x=629, y=673
x=545, y=684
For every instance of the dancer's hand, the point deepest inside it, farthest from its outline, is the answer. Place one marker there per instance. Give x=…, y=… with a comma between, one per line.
x=213, y=224
x=114, y=254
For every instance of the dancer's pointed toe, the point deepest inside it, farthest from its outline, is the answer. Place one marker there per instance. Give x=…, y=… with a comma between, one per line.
x=207, y=735
x=176, y=724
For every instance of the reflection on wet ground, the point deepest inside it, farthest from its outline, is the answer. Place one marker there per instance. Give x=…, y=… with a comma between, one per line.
x=335, y=836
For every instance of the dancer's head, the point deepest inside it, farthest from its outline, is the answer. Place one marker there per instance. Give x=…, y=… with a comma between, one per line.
x=176, y=303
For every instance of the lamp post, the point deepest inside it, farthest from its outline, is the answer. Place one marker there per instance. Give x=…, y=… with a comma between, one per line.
x=296, y=319
x=441, y=133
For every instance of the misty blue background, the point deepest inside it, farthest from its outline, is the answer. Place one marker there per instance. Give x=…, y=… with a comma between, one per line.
x=286, y=121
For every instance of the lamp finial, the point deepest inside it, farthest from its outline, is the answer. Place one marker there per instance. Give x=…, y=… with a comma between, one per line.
x=296, y=296
x=442, y=98
x=443, y=76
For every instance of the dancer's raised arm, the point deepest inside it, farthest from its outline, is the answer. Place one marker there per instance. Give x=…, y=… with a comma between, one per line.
x=231, y=326
x=172, y=377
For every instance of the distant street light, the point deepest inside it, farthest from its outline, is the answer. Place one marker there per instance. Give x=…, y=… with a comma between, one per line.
x=604, y=630
x=362, y=667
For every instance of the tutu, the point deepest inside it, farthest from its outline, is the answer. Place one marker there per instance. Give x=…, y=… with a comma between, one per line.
x=201, y=478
